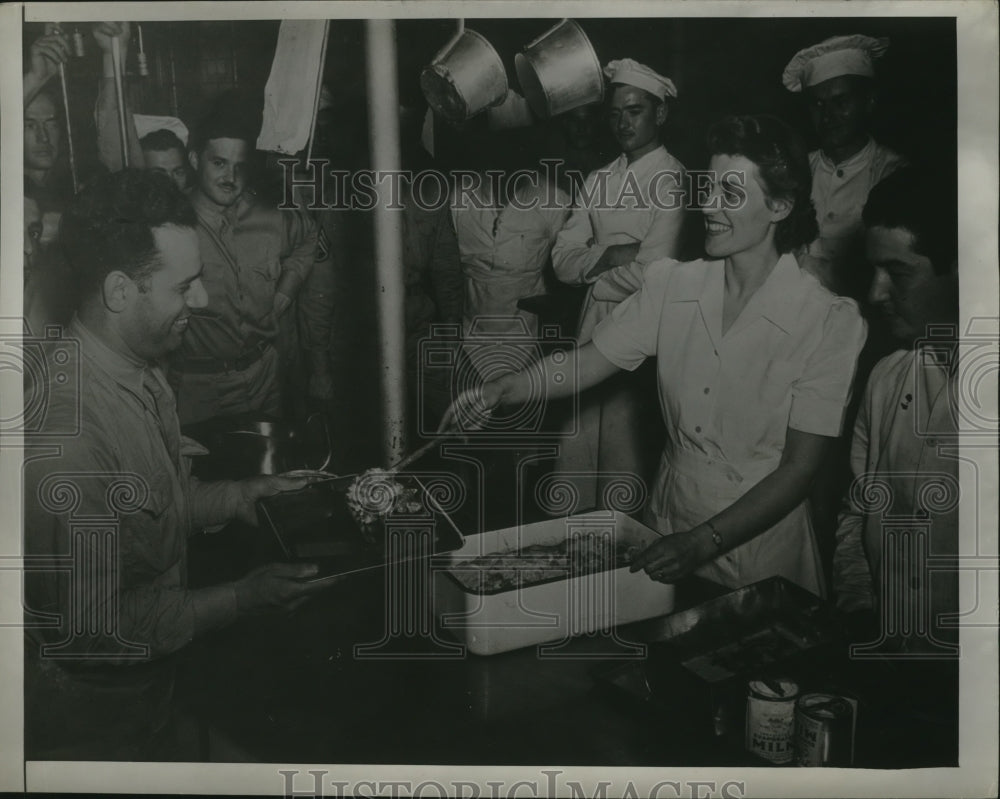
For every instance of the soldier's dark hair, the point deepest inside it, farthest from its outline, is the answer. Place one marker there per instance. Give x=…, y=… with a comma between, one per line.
x=162, y=140
x=924, y=202
x=110, y=226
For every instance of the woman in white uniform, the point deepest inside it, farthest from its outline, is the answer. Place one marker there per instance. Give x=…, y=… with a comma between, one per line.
x=755, y=361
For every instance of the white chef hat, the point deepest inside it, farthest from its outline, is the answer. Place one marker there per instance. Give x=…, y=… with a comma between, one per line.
x=632, y=73
x=832, y=58
x=145, y=123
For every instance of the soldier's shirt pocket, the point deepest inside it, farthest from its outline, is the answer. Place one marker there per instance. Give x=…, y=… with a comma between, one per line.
x=265, y=270
x=159, y=497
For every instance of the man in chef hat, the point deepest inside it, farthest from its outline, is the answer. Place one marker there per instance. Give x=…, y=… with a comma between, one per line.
x=608, y=245
x=836, y=78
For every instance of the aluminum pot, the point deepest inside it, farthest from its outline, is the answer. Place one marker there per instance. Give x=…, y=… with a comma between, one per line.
x=559, y=71
x=465, y=77
x=242, y=447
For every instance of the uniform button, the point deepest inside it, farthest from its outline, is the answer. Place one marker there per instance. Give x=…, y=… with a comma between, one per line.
x=840, y=173
x=698, y=429
x=707, y=390
x=829, y=215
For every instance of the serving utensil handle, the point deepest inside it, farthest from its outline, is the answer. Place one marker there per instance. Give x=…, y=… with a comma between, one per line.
x=423, y=450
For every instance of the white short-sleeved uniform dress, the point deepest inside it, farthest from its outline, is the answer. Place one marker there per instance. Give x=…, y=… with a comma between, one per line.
x=728, y=400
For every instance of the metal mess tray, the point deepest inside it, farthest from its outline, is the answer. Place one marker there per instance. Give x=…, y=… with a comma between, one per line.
x=748, y=631
x=314, y=524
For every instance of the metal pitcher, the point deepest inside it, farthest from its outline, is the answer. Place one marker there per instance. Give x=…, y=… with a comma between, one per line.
x=559, y=71
x=464, y=78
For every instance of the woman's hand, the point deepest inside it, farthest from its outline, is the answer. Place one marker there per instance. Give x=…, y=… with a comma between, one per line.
x=473, y=408
x=675, y=556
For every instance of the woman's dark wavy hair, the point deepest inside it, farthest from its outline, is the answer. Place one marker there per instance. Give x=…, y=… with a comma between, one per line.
x=783, y=165
x=110, y=226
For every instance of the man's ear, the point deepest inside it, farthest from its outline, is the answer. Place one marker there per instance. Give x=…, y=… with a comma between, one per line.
x=117, y=290
x=661, y=113
x=193, y=160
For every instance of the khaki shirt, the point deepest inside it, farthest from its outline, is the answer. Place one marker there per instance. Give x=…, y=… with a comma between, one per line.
x=250, y=253
x=107, y=516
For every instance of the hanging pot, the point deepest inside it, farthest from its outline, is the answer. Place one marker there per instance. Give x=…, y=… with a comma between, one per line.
x=465, y=77
x=559, y=71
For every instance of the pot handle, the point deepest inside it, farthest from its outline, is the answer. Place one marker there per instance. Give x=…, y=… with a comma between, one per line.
x=326, y=435
x=563, y=21
x=450, y=43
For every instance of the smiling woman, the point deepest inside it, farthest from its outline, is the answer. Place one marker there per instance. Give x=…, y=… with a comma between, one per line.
x=755, y=361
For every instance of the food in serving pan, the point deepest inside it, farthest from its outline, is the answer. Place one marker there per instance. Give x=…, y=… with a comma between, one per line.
x=502, y=571
x=376, y=494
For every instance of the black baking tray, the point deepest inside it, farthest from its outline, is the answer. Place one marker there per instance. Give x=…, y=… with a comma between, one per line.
x=314, y=525
x=701, y=659
x=747, y=631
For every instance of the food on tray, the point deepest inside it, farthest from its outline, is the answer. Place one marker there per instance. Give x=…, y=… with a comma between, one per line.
x=502, y=571
x=376, y=494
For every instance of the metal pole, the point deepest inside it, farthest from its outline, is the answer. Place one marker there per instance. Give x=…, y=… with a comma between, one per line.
x=69, y=130
x=174, y=105
x=116, y=61
x=383, y=135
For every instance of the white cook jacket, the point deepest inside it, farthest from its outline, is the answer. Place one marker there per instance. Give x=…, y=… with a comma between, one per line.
x=905, y=460
x=591, y=229
x=839, y=193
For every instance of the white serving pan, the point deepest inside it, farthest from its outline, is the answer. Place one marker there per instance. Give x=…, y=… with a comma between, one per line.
x=554, y=610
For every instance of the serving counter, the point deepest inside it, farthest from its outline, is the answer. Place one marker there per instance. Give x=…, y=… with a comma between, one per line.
x=353, y=676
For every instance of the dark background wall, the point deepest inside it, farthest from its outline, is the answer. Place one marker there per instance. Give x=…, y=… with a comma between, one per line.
x=720, y=65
